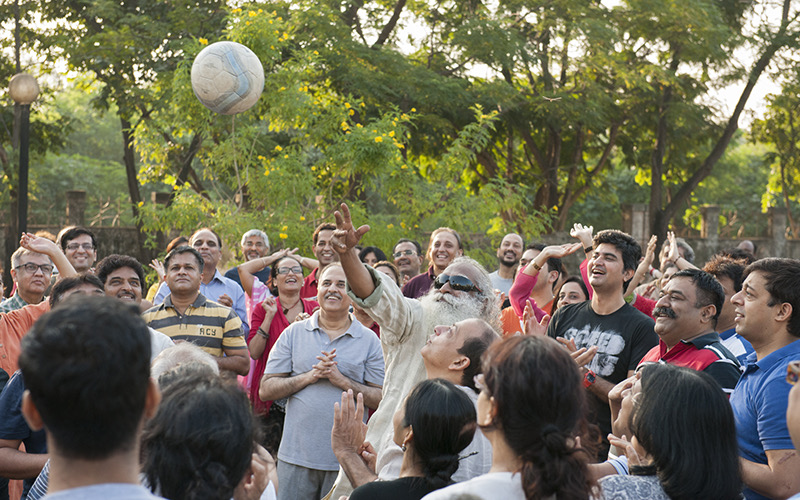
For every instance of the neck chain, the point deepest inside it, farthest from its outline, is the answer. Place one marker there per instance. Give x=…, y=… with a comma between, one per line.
x=286, y=309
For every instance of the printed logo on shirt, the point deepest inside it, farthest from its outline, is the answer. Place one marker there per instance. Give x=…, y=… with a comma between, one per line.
x=609, y=345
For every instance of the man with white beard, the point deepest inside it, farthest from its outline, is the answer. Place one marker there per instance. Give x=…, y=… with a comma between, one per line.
x=462, y=291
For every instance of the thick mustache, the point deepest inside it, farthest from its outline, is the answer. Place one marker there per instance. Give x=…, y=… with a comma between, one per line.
x=664, y=311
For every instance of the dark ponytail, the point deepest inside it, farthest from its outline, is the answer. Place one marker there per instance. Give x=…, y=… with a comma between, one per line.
x=540, y=404
x=443, y=420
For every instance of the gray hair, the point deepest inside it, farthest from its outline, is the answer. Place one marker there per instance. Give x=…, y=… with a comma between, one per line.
x=181, y=354
x=255, y=232
x=490, y=310
x=19, y=252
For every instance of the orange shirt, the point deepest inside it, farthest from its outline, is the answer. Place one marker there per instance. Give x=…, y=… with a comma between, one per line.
x=512, y=323
x=13, y=326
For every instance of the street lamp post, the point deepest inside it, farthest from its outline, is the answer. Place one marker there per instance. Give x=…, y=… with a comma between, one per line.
x=24, y=89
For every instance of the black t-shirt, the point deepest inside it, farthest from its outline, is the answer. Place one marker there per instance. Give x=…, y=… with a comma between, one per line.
x=404, y=488
x=622, y=339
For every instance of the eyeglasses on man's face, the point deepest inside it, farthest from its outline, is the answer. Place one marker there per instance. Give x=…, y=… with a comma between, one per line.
x=31, y=268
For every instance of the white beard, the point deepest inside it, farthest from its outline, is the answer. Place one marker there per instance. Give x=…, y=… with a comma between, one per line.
x=446, y=309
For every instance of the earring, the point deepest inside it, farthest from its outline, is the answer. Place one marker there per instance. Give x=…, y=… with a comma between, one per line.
x=403, y=447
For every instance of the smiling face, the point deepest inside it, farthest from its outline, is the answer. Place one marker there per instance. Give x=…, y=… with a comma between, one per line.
x=183, y=274
x=323, y=250
x=370, y=259
x=510, y=250
x=407, y=263
x=332, y=291
x=606, y=269
x=676, y=314
x=80, y=252
x=289, y=275
x=254, y=248
x=443, y=250
x=124, y=284
x=205, y=242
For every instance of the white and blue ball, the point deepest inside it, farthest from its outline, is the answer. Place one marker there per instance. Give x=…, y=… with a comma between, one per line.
x=227, y=78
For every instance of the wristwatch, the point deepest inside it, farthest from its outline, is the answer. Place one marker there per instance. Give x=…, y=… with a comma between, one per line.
x=588, y=378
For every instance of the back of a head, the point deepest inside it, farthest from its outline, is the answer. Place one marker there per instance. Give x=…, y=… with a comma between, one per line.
x=686, y=424
x=444, y=422
x=179, y=355
x=540, y=402
x=87, y=367
x=722, y=265
x=199, y=443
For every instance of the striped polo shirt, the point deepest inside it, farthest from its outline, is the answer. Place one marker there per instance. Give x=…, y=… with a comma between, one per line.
x=206, y=324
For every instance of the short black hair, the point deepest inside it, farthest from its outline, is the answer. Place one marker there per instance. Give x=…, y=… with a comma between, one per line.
x=66, y=284
x=72, y=233
x=181, y=250
x=709, y=290
x=782, y=277
x=86, y=364
x=413, y=242
x=199, y=444
x=721, y=265
x=325, y=226
x=553, y=263
x=379, y=255
x=116, y=261
x=626, y=244
x=473, y=348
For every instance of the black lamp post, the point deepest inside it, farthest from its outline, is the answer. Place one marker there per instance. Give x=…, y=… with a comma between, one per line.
x=24, y=89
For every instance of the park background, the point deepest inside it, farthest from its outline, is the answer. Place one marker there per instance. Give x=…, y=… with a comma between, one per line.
x=487, y=117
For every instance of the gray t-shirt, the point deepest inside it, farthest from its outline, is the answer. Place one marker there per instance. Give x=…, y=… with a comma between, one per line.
x=498, y=283
x=309, y=413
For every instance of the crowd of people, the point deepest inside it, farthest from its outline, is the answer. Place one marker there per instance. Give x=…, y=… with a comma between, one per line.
x=348, y=372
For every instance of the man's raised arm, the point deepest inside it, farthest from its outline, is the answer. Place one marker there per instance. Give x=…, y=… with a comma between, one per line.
x=43, y=245
x=344, y=240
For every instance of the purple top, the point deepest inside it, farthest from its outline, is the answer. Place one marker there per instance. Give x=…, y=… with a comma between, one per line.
x=419, y=284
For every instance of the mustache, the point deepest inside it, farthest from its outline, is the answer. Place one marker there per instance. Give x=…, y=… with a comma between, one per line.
x=664, y=311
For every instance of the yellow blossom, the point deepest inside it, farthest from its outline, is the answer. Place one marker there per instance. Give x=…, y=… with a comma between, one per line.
x=283, y=236
x=278, y=148
x=261, y=158
x=351, y=112
x=413, y=110
x=252, y=14
x=362, y=105
x=141, y=203
x=404, y=167
x=236, y=11
x=302, y=218
x=358, y=125
x=316, y=53
x=391, y=133
x=247, y=23
x=379, y=139
x=266, y=172
x=403, y=225
x=260, y=11
x=390, y=226
x=286, y=156
x=347, y=105
x=345, y=126
x=203, y=41
x=313, y=168
x=285, y=228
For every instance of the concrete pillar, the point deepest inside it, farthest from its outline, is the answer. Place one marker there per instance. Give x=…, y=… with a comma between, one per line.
x=76, y=208
x=777, y=231
x=636, y=221
x=160, y=198
x=709, y=227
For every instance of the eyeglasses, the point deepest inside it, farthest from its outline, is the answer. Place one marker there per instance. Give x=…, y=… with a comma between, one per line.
x=32, y=268
x=407, y=253
x=85, y=246
x=287, y=270
x=460, y=283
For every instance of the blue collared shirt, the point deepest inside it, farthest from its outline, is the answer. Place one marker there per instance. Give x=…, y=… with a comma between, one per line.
x=737, y=344
x=759, y=404
x=218, y=286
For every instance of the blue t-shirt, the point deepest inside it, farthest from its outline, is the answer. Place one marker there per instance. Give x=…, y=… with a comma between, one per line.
x=737, y=344
x=759, y=404
x=13, y=425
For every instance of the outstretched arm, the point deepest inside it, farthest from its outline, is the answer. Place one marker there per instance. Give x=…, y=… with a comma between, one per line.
x=344, y=240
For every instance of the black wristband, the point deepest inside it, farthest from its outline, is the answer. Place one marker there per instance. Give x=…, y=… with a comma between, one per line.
x=588, y=250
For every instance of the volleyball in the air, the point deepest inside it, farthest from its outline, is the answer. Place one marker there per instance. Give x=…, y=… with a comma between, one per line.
x=227, y=77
